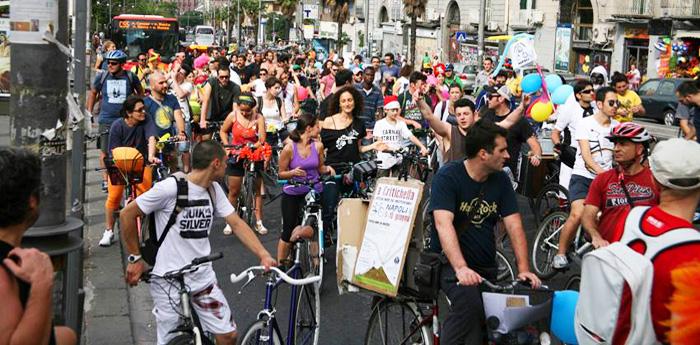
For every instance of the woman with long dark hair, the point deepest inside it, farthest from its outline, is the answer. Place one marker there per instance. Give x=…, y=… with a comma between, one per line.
x=302, y=159
x=341, y=134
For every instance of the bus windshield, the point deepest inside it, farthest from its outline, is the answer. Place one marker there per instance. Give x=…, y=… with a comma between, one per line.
x=137, y=36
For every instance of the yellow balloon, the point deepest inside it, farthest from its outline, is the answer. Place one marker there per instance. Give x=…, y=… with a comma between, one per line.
x=541, y=111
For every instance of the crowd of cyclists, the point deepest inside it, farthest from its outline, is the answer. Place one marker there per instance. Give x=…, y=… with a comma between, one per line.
x=322, y=117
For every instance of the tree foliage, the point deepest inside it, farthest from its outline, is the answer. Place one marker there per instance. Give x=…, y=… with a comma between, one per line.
x=414, y=9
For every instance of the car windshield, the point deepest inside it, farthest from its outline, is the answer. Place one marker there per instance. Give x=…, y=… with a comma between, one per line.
x=205, y=31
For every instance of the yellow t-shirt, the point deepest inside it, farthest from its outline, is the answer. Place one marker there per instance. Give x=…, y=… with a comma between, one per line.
x=629, y=100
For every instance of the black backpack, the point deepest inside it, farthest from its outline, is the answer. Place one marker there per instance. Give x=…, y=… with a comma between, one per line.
x=150, y=245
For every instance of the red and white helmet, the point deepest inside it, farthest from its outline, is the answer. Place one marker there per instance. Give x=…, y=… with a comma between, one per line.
x=631, y=131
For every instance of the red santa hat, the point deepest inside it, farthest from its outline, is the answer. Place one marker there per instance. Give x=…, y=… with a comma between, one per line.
x=391, y=102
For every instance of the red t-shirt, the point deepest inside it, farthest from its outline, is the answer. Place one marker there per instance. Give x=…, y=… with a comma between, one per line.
x=606, y=194
x=654, y=223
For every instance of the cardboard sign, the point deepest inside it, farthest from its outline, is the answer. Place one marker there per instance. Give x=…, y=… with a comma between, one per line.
x=523, y=54
x=381, y=257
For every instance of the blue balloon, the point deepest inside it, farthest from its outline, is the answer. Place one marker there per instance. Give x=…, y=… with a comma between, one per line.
x=553, y=82
x=531, y=83
x=563, y=312
x=561, y=94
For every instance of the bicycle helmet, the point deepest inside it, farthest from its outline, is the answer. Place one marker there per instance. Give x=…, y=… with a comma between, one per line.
x=116, y=55
x=631, y=131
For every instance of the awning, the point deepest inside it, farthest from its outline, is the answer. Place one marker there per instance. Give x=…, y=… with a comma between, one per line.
x=687, y=34
x=499, y=38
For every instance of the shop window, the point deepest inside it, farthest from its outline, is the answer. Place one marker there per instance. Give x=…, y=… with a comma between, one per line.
x=649, y=88
x=667, y=89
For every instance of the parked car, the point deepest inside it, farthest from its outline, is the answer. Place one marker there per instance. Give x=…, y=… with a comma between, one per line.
x=659, y=99
x=467, y=73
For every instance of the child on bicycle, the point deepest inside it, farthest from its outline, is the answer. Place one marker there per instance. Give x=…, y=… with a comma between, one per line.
x=396, y=135
x=301, y=160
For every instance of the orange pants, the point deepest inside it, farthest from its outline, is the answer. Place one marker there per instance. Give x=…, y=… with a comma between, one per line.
x=116, y=192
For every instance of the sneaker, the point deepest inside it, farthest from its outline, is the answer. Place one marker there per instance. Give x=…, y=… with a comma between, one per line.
x=107, y=238
x=227, y=230
x=559, y=262
x=260, y=228
x=104, y=186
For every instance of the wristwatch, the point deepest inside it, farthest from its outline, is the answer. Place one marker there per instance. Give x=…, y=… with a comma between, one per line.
x=133, y=258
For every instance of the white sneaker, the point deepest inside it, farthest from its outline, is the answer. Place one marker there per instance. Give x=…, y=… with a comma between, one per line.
x=227, y=230
x=260, y=228
x=560, y=261
x=107, y=238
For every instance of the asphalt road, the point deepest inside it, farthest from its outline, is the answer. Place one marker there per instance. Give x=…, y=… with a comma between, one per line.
x=659, y=130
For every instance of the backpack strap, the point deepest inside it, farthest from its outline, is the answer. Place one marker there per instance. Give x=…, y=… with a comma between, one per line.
x=655, y=245
x=180, y=203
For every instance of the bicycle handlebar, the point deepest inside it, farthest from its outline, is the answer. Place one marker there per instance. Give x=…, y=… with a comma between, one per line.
x=308, y=183
x=257, y=270
x=208, y=258
x=191, y=267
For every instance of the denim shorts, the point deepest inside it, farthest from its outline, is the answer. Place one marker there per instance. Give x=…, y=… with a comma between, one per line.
x=185, y=147
x=578, y=187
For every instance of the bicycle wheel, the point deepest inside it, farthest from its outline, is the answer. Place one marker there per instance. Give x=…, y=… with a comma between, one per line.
x=573, y=283
x=313, y=264
x=393, y=322
x=307, y=316
x=183, y=339
x=553, y=197
x=258, y=334
x=546, y=244
x=505, y=269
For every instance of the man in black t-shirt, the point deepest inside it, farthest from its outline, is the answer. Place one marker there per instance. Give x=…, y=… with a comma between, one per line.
x=220, y=97
x=467, y=199
x=521, y=132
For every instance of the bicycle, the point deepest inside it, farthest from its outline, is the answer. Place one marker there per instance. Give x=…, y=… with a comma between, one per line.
x=305, y=305
x=252, y=162
x=274, y=138
x=167, y=155
x=189, y=331
x=546, y=244
x=413, y=164
x=415, y=320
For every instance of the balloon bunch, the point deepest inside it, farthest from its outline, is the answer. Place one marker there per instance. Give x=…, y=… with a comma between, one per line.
x=553, y=92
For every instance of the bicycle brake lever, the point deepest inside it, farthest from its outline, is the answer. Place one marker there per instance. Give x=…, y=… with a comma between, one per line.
x=251, y=277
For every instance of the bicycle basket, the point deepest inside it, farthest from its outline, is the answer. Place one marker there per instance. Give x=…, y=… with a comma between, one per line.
x=129, y=163
x=506, y=313
x=363, y=170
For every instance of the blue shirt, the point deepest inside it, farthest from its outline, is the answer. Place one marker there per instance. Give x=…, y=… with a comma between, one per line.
x=476, y=206
x=394, y=70
x=162, y=115
x=120, y=135
x=114, y=91
x=373, y=101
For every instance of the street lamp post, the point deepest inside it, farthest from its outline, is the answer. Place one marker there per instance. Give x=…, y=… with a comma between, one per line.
x=261, y=35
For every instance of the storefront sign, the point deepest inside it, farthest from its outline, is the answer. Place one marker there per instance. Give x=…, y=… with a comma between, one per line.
x=31, y=18
x=328, y=30
x=308, y=31
x=390, y=218
x=562, y=48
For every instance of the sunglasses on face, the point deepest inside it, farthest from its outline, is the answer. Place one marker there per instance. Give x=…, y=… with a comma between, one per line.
x=492, y=96
x=142, y=60
x=113, y=63
x=334, y=70
x=586, y=91
x=614, y=103
x=263, y=74
x=140, y=110
x=224, y=77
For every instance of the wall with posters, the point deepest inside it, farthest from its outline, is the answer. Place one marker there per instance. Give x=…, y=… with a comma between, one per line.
x=4, y=48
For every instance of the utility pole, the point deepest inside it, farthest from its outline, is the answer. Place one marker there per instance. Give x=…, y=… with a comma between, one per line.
x=261, y=35
x=238, y=23
x=368, y=43
x=482, y=24
x=228, y=23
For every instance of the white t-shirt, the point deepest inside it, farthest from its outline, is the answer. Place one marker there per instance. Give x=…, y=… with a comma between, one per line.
x=188, y=238
x=184, y=102
x=394, y=135
x=288, y=97
x=259, y=88
x=403, y=84
x=441, y=113
x=601, y=148
x=569, y=115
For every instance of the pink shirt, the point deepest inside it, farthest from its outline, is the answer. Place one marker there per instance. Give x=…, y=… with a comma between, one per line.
x=327, y=82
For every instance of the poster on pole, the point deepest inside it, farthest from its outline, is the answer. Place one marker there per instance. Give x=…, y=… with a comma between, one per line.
x=5, y=48
x=30, y=19
x=523, y=53
x=390, y=218
x=562, y=50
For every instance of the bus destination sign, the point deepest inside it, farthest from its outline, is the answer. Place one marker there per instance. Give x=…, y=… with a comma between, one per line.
x=145, y=25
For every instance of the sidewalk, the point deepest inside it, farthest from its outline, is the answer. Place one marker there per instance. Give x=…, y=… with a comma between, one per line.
x=114, y=313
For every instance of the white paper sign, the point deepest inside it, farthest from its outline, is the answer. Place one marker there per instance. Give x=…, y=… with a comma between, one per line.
x=29, y=19
x=523, y=54
x=389, y=225
x=328, y=30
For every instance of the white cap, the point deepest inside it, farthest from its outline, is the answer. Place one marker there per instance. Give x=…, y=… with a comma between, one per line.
x=676, y=159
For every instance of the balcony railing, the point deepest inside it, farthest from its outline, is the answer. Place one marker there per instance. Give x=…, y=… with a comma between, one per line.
x=634, y=8
x=680, y=8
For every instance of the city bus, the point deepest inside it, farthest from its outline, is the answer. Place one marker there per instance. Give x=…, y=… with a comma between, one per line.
x=134, y=34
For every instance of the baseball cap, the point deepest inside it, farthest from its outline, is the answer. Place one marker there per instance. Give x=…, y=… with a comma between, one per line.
x=674, y=163
x=503, y=91
x=450, y=67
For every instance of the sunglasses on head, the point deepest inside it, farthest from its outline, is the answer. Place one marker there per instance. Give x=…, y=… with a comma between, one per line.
x=614, y=103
